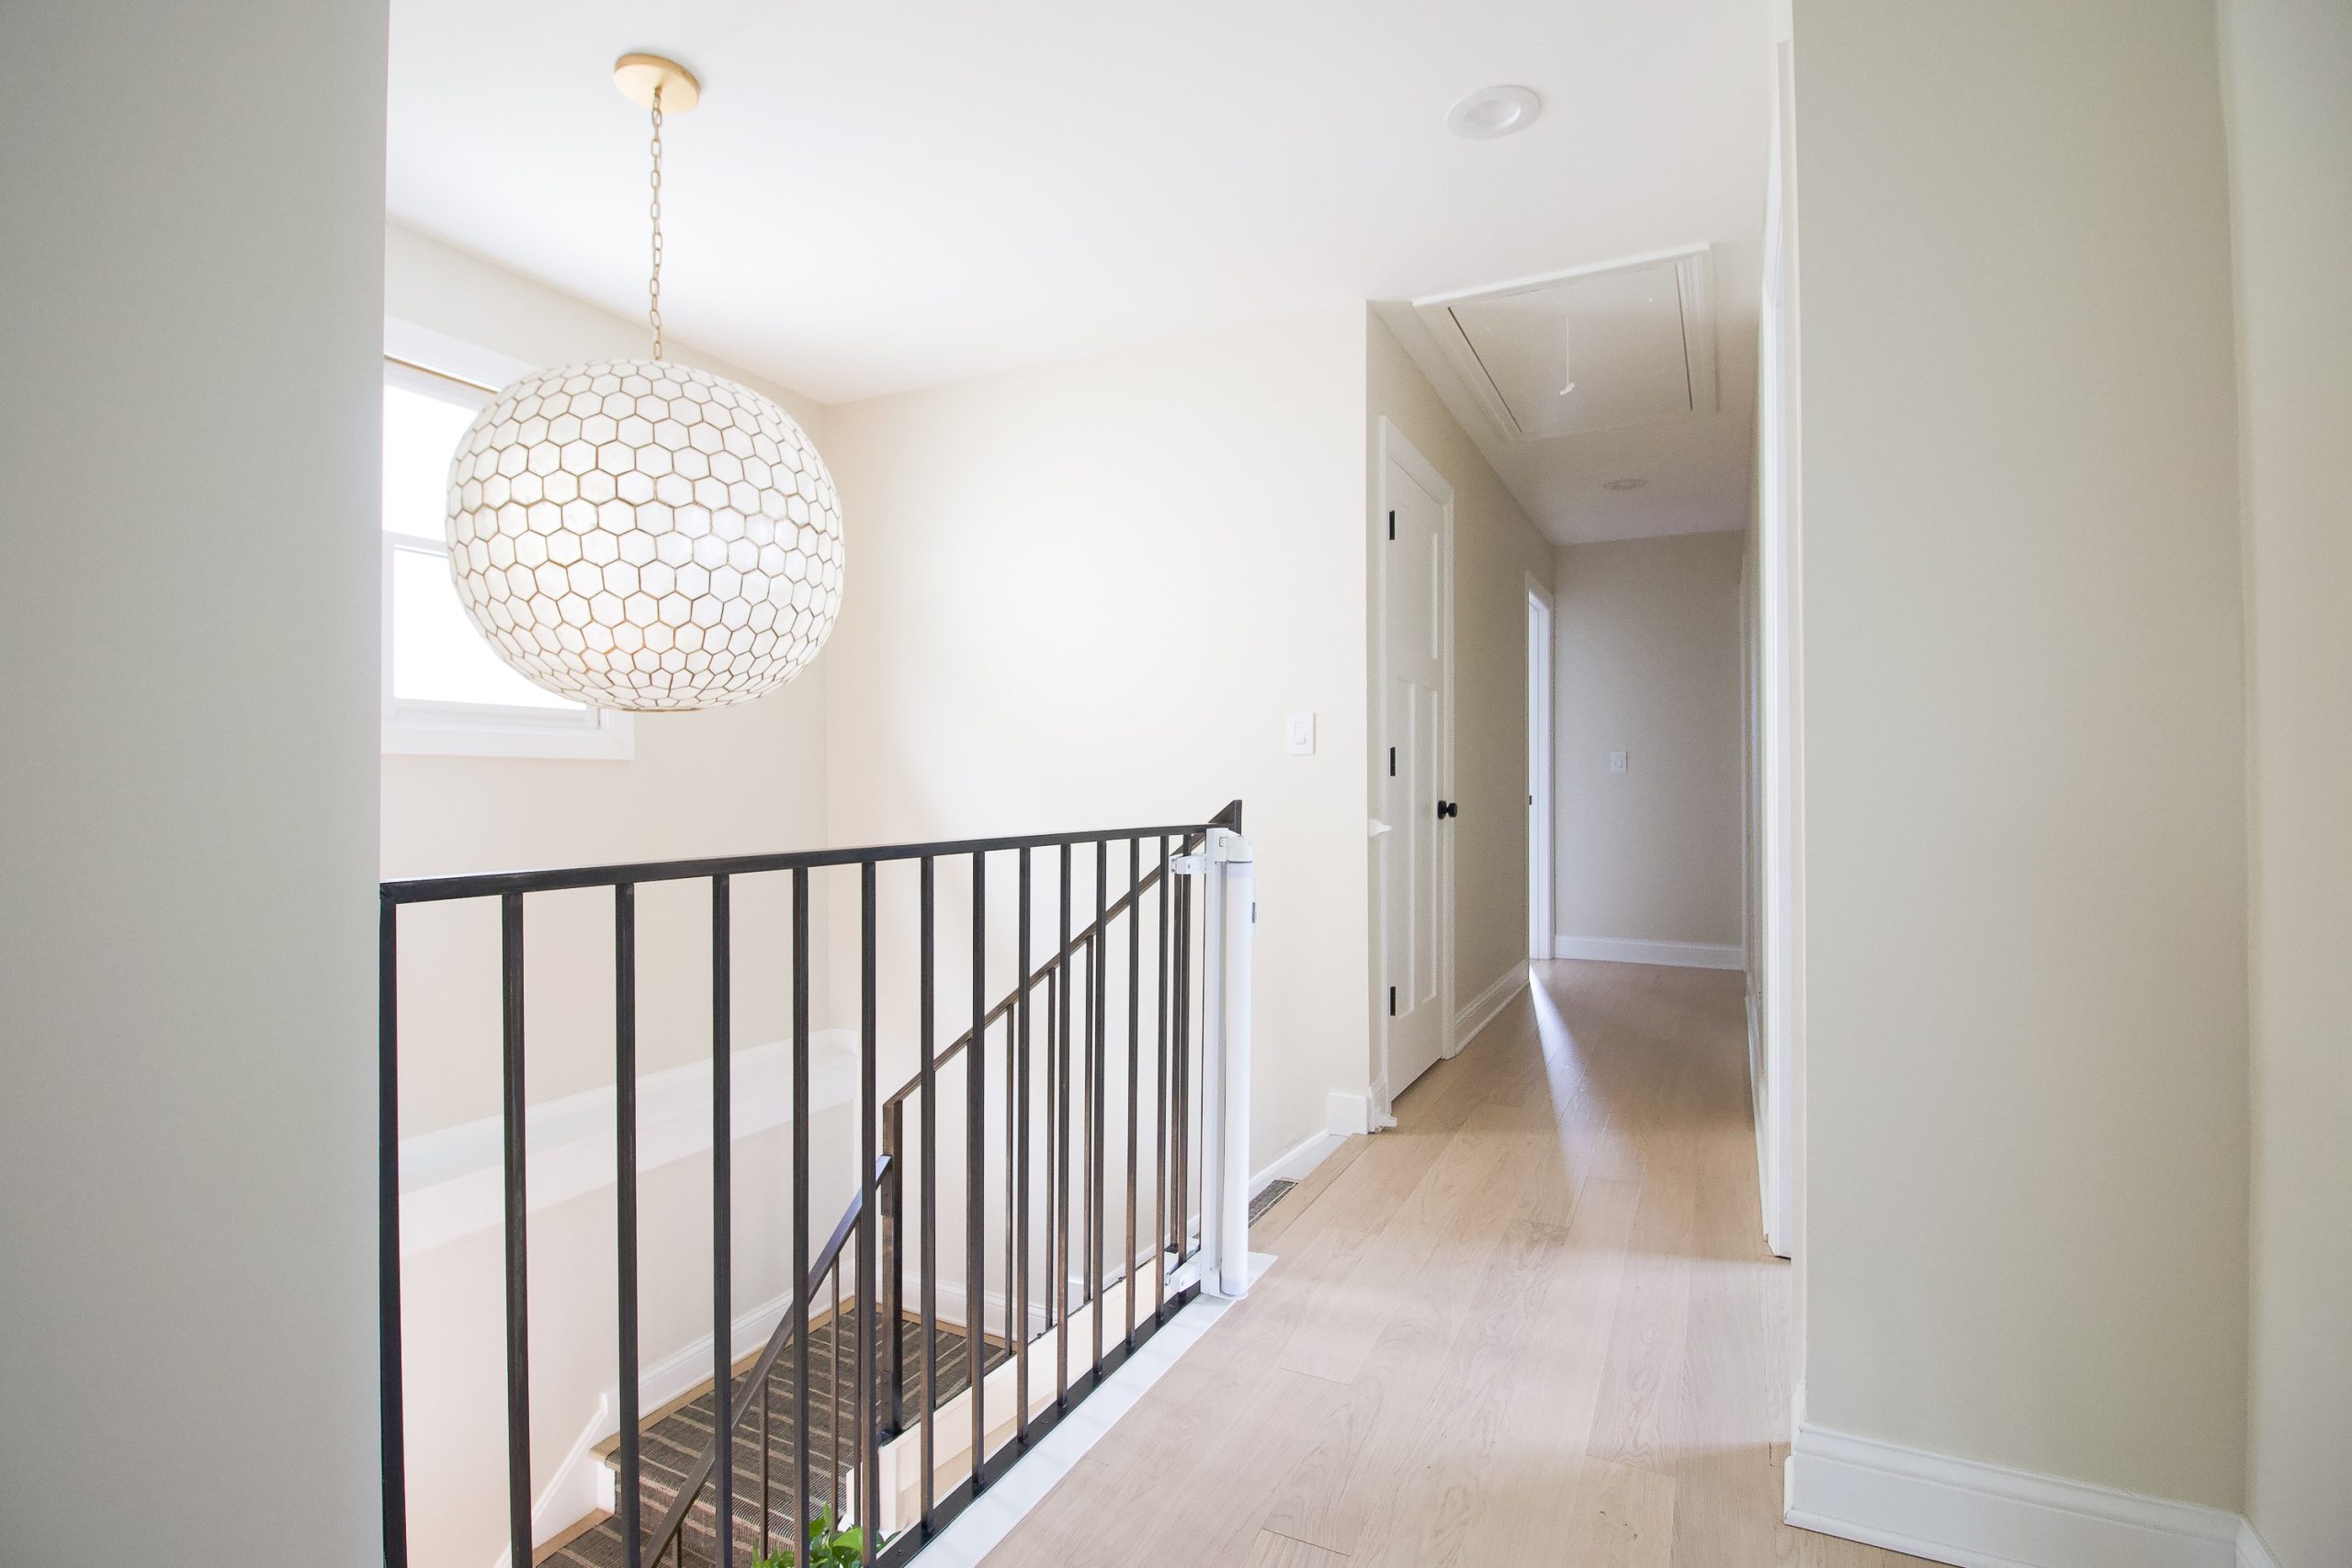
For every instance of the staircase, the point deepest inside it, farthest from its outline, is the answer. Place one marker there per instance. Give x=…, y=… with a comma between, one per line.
x=674, y=1437
x=1064, y=1151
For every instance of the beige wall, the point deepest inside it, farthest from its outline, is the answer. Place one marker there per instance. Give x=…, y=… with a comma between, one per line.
x=1087, y=595
x=186, y=1059
x=1647, y=661
x=2025, y=1233
x=2289, y=88
x=1496, y=550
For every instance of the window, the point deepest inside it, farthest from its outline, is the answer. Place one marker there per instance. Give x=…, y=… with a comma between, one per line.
x=445, y=690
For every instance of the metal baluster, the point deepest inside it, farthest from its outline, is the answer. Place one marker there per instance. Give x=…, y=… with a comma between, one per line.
x=722, y=1216
x=625, y=1212
x=930, y=1124
x=1019, y=1193
x=518, y=1319
x=1159, y=1105
x=767, y=1402
x=869, y=1423
x=1180, y=1112
x=1098, y=985
x=894, y=1146
x=800, y=1282
x=836, y=1493
x=976, y=1122
x=393, y=1436
x=1061, y=1155
x=1012, y=1178
x=1134, y=1035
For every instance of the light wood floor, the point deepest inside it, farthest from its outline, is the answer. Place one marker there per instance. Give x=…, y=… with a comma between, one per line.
x=1533, y=1323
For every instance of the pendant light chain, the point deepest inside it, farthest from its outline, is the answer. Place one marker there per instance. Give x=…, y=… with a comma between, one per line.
x=653, y=288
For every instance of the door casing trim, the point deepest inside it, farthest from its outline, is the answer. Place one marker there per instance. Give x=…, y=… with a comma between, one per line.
x=1394, y=448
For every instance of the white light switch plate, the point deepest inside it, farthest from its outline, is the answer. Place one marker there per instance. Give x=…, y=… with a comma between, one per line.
x=1298, y=735
x=1616, y=761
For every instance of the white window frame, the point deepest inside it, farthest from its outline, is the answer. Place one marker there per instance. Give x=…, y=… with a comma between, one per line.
x=446, y=366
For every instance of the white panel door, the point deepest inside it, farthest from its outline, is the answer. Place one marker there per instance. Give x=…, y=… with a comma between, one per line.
x=1415, y=721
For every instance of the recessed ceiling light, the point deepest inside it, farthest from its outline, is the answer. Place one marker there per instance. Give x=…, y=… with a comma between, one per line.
x=1493, y=111
x=1624, y=484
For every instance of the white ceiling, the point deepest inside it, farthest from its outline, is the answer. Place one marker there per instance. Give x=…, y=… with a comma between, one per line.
x=877, y=196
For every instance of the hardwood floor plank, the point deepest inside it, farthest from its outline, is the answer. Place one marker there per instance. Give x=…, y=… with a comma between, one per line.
x=1447, y=1230
x=1424, y=1508
x=1641, y=1376
x=1624, y=1518
x=1531, y=1497
x=1294, y=1204
x=1273, y=1550
x=1331, y=1339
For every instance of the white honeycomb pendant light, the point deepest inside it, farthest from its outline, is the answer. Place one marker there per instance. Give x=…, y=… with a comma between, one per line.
x=642, y=536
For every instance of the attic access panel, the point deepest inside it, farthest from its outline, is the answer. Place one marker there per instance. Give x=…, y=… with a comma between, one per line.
x=1592, y=350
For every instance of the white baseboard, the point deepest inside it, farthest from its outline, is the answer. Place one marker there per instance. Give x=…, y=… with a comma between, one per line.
x=1480, y=1010
x=1299, y=1162
x=2252, y=1553
x=1672, y=954
x=1987, y=1515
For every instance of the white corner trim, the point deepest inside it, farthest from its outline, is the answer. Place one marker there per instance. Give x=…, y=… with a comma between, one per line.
x=1482, y=1008
x=1672, y=954
x=451, y=1184
x=1346, y=1114
x=2253, y=1550
x=1989, y=1515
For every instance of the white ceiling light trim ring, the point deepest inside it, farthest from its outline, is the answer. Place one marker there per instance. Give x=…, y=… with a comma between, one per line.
x=1494, y=111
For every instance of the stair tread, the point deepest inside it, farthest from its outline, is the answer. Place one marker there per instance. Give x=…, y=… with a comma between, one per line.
x=674, y=1439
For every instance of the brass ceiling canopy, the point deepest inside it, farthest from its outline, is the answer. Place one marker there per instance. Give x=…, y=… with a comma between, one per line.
x=638, y=76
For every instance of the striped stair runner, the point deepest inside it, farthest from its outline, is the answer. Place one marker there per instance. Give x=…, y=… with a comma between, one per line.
x=671, y=1443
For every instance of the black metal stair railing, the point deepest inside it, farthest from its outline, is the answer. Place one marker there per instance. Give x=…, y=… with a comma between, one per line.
x=1049, y=1039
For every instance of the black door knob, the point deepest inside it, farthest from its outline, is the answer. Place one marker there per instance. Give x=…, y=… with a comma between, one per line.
x=1449, y=808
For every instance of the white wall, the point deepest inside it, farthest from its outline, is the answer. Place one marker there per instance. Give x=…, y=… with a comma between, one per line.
x=2287, y=85
x=1496, y=550
x=1086, y=595
x=2025, y=1234
x=1647, y=661
x=186, y=1123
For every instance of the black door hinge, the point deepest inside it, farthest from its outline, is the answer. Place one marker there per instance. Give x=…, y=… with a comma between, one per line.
x=1392, y=1001
x=1391, y=762
x=1392, y=524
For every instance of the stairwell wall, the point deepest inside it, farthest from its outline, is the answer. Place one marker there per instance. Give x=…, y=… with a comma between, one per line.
x=189, y=432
